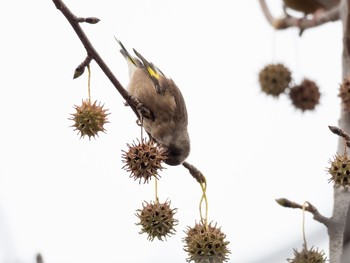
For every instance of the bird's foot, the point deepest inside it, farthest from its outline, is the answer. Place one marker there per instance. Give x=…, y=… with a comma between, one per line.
x=144, y=111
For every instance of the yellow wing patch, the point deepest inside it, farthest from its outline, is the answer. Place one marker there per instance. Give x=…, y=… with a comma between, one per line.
x=152, y=73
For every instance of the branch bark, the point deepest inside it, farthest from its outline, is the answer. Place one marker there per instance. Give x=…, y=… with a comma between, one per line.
x=337, y=233
x=346, y=240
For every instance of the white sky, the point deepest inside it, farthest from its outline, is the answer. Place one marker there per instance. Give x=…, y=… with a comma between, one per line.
x=70, y=200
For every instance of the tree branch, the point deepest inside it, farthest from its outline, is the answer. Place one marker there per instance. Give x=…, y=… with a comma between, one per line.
x=302, y=23
x=309, y=207
x=92, y=54
x=135, y=104
x=346, y=239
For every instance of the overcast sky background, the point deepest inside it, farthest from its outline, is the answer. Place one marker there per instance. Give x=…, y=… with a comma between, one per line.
x=69, y=199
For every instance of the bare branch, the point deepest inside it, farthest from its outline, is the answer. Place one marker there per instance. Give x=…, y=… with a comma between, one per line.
x=92, y=54
x=302, y=23
x=309, y=207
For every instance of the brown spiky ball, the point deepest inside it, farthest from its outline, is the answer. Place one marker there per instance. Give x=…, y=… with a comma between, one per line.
x=89, y=119
x=143, y=160
x=308, y=256
x=274, y=79
x=157, y=220
x=206, y=244
x=306, y=95
x=344, y=94
x=340, y=171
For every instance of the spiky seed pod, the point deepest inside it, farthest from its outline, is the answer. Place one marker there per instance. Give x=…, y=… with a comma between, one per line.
x=206, y=244
x=157, y=220
x=143, y=160
x=308, y=256
x=89, y=119
x=306, y=95
x=344, y=94
x=274, y=79
x=340, y=171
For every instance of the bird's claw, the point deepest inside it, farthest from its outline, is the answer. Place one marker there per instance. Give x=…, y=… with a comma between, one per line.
x=144, y=112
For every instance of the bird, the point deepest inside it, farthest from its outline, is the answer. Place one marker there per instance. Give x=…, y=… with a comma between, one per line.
x=310, y=6
x=159, y=94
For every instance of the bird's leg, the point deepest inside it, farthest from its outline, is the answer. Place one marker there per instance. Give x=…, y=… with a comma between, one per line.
x=140, y=108
x=144, y=111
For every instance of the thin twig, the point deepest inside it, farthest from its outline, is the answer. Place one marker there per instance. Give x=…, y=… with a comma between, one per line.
x=309, y=207
x=302, y=23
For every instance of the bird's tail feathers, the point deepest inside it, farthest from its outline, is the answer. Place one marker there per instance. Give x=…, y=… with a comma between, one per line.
x=125, y=53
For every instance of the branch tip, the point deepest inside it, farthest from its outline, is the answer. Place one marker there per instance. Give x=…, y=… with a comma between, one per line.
x=92, y=20
x=81, y=68
x=89, y=20
x=335, y=130
x=78, y=71
x=308, y=207
x=339, y=132
x=285, y=203
x=200, y=178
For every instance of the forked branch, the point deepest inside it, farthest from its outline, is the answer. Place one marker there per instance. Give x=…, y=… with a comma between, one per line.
x=302, y=23
x=309, y=207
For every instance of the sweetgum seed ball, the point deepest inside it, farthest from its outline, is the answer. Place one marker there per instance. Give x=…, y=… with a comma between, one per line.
x=143, y=160
x=89, y=119
x=157, y=220
x=308, y=256
x=340, y=171
x=274, y=79
x=306, y=95
x=206, y=244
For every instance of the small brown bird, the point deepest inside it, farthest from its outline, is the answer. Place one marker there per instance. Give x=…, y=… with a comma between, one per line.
x=310, y=6
x=164, y=99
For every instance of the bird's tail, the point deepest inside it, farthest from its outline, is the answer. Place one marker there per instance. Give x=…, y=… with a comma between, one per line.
x=126, y=54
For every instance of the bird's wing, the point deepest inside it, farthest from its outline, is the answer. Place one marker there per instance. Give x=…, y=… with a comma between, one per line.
x=174, y=91
x=166, y=87
x=154, y=73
